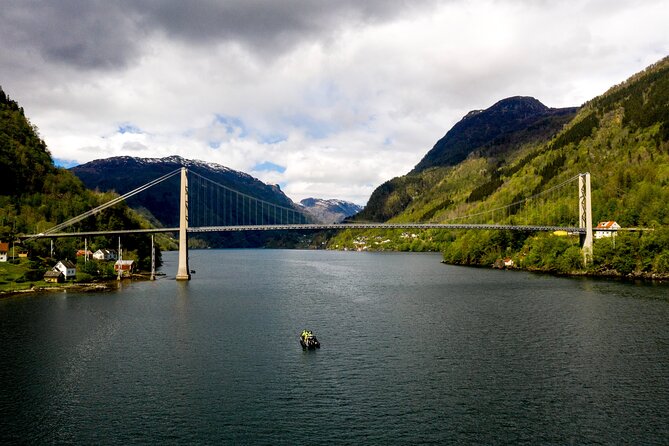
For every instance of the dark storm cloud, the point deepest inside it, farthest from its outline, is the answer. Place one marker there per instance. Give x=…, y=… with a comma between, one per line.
x=263, y=24
x=305, y=84
x=85, y=34
x=109, y=34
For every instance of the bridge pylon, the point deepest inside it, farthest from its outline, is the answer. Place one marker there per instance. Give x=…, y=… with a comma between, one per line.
x=585, y=216
x=183, y=271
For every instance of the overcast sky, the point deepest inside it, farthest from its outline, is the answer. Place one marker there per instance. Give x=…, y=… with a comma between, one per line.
x=328, y=98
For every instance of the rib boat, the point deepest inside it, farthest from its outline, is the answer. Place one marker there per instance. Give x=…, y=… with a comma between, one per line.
x=308, y=341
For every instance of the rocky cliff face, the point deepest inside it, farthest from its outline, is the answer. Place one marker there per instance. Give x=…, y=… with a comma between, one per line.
x=329, y=211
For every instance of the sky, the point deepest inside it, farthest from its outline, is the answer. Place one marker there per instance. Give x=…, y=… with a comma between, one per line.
x=328, y=99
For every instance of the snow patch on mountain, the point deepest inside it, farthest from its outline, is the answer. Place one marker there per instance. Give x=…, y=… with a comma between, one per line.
x=329, y=211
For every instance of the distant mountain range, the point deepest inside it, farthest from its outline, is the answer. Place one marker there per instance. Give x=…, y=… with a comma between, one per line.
x=329, y=211
x=124, y=173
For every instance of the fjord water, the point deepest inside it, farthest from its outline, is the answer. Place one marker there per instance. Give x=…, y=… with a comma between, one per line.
x=413, y=352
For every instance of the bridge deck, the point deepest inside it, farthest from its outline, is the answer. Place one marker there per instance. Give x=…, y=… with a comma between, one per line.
x=312, y=227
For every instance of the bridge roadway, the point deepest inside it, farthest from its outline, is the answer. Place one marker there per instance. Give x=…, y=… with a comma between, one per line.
x=311, y=227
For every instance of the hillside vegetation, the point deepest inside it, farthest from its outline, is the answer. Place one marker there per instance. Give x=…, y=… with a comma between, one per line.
x=621, y=138
x=36, y=195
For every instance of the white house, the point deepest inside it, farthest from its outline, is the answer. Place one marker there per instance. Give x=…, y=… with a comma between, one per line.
x=4, y=249
x=606, y=229
x=104, y=254
x=68, y=269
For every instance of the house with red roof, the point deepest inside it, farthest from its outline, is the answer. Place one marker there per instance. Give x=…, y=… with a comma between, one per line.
x=4, y=249
x=606, y=229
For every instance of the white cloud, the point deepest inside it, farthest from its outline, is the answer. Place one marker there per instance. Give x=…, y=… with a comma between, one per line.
x=344, y=95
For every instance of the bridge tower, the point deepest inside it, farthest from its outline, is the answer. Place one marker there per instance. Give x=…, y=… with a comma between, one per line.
x=183, y=271
x=585, y=216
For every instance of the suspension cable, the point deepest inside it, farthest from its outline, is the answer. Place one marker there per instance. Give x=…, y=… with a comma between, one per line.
x=104, y=206
x=509, y=206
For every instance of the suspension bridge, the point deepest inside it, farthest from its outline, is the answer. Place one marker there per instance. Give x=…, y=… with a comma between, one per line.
x=207, y=206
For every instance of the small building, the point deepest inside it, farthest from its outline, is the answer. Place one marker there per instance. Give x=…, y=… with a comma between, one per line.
x=54, y=276
x=68, y=269
x=606, y=229
x=504, y=263
x=84, y=253
x=124, y=267
x=105, y=254
x=4, y=249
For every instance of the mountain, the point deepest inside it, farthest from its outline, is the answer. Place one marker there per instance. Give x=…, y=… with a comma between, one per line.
x=329, y=211
x=494, y=133
x=506, y=125
x=620, y=137
x=124, y=173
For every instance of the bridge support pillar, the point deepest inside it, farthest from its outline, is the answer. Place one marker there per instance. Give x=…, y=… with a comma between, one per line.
x=183, y=271
x=585, y=216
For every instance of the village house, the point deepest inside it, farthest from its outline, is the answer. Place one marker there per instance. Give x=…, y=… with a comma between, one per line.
x=124, y=267
x=607, y=229
x=4, y=249
x=68, y=269
x=53, y=276
x=83, y=252
x=105, y=254
x=506, y=262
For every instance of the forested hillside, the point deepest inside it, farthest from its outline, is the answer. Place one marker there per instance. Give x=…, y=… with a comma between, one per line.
x=620, y=137
x=494, y=133
x=25, y=162
x=36, y=195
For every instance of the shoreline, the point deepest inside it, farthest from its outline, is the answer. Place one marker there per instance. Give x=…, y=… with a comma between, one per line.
x=110, y=285
x=600, y=275
x=84, y=287
x=79, y=287
x=610, y=275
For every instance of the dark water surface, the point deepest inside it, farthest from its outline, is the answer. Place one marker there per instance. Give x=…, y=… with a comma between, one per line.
x=413, y=352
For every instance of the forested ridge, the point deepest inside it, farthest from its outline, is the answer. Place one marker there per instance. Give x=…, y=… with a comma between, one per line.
x=620, y=137
x=36, y=195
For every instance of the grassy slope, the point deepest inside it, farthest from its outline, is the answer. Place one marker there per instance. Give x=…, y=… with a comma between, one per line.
x=621, y=138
